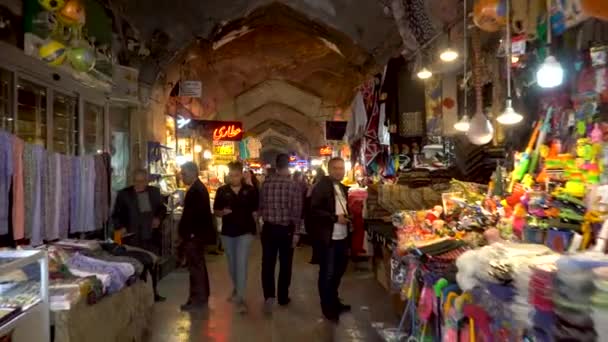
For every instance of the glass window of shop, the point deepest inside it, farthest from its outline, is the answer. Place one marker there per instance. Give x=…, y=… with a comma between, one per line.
x=120, y=117
x=65, y=123
x=93, y=128
x=31, y=124
x=6, y=95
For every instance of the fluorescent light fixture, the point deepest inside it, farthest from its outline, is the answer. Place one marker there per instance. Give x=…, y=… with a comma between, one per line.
x=424, y=73
x=509, y=116
x=448, y=55
x=550, y=74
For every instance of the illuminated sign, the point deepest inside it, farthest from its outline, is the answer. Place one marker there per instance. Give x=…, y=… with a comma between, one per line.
x=182, y=122
x=255, y=165
x=326, y=151
x=228, y=132
x=302, y=163
x=292, y=159
x=223, y=148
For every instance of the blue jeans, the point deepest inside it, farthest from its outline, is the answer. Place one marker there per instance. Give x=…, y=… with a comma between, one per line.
x=237, y=254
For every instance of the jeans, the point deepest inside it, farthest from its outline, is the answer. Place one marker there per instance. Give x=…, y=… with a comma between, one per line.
x=333, y=260
x=237, y=253
x=277, y=240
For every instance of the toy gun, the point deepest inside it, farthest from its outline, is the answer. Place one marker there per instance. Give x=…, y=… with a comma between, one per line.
x=522, y=167
x=539, y=143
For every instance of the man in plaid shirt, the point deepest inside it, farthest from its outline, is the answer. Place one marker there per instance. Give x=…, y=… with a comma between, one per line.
x=281, y=209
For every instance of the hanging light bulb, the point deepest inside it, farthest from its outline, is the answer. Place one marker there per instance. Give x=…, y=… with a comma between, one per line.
x=448, y=55
x=424, y=73
x=463, y=124
x=481, y=130
x=550, y=74
x=509, y=116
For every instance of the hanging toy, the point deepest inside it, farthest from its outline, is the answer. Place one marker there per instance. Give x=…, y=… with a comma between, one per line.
x=53, y=53
x=72, y=14
x=82, y=58
x=52, y=5
x=489, y=15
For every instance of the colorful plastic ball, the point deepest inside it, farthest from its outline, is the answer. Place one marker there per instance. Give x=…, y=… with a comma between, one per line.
x=82, y=58
x=53, y=53
x=52, y=5
x=489, y=15
x=73, y=13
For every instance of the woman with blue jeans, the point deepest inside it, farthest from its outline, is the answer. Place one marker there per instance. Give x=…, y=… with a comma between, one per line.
x=236, y=203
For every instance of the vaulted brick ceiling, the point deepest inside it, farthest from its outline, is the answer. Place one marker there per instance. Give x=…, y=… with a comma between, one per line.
x=291, y=61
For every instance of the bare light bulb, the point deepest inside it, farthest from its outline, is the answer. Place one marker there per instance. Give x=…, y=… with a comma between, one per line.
x=550, y=74
x=463, y=124
x=481, y=130
x=448, y=55
x=509, y=116
x=424, y=73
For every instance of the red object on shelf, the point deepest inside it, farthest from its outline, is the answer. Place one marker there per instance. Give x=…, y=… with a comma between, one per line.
x=356, y=200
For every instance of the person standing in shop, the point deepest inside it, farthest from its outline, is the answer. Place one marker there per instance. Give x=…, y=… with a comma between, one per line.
x=281, y=210
x=138, y=214
x=329, y=214
x=236, y=203
x=196, y=231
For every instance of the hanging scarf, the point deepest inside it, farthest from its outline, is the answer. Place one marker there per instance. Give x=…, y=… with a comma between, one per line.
x=6, y=171
x=18, y=197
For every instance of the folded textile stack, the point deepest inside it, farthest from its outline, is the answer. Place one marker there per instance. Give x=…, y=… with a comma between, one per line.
x=599, y=301
x=540, y=297
x=527, y=282
x=572, y=289
x=114, y=275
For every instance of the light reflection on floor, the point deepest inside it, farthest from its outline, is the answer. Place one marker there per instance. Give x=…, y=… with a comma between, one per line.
x=301, y=321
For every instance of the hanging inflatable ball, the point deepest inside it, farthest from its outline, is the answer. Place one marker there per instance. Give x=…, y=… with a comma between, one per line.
x=490, y=15
x=73, y=13
x=595, y=8
x=52, y=5
x=53, y=53
x=82, y=58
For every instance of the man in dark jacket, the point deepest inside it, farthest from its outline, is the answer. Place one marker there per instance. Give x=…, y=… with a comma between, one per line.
x=329, y=214
x=195, y=231
x=139, y=211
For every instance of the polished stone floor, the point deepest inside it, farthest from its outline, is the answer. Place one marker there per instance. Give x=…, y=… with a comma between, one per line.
x=301, y=321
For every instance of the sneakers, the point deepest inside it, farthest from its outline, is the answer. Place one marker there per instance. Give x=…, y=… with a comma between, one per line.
x=343, y=308
x=285, y=302
x=268, y=305
x=159, y=299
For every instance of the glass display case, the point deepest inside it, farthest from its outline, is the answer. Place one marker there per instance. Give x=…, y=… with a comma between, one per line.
x=31, y=112
x=24, y=299
x=65, y=123
x=7, y=118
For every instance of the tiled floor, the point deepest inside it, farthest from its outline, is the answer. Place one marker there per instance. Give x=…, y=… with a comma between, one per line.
x=301, y=321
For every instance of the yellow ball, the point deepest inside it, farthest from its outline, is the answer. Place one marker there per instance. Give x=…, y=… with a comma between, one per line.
x=52, y=5
x=53, y=53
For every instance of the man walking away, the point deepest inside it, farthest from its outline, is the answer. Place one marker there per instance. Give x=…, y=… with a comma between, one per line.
x=196, y=230
x=138, y=214
x=236, y=203
x=281, y=210
x=330, y=216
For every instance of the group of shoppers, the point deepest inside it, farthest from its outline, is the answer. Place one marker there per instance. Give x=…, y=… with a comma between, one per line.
x=283, y=204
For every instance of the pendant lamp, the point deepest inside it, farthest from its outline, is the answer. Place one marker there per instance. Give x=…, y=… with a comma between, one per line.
x=481, y=130
x=424, y=74
x=463, y=124
x=509, y=116
x=550, y=74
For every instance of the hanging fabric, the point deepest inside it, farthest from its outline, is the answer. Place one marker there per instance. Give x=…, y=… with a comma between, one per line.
x=6, y=171
x=102, y=189
x=76, y=196
x=18, y=213
x=52, y=196
x=34, y=171
x=65, y=196
x=88, y=193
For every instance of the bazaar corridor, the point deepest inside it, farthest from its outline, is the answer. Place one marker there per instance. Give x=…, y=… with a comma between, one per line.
x=301, y=321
